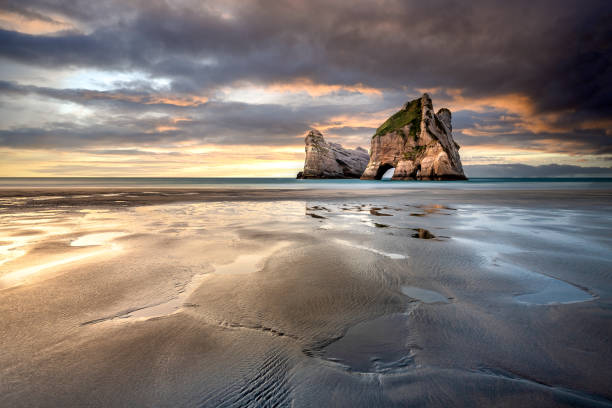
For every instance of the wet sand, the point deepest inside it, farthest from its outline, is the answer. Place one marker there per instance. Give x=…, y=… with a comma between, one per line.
x=239, y=297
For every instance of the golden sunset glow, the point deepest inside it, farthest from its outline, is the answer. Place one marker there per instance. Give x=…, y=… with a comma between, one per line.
x=214, y=161
x=199, y=96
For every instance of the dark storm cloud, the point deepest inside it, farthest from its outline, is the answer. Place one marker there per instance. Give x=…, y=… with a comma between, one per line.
x=576, y=142
x=558, y=53
x=498, y=129
x=524, y=170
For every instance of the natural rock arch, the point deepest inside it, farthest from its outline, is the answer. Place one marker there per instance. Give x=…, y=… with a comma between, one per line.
x=382, y=169
x=418, y=143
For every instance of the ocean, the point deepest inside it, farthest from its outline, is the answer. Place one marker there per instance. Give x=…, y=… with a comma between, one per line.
x=291, y=183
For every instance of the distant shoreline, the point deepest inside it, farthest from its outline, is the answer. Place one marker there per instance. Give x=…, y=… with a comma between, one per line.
x=117, y=197
x=20, y=183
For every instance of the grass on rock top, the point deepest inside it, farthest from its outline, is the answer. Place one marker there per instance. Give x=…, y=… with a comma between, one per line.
x=414, y=153
x=409, y=115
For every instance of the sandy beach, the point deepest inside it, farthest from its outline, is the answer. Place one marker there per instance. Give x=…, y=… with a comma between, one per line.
x=113, y=297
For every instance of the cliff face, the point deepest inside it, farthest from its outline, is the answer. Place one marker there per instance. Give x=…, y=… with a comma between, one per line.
x=331, y=160
x=418, y=143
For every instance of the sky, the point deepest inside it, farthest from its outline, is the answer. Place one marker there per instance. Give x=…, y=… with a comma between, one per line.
x=197, y=88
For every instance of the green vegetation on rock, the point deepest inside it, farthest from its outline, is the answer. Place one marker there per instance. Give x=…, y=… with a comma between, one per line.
x=414, y=153
x=409, y=115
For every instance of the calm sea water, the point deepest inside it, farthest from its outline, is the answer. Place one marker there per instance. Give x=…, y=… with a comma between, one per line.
x=290, y=183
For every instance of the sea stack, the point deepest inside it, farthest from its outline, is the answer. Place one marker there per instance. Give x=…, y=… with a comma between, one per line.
x=418, y=143
x=331, y=160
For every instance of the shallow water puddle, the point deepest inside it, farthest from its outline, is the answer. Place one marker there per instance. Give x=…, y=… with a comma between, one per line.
x=556, y=292
x=243, y=263
x=345, y=221
x=18, y=276
x=376, y=346
x=376, y=251
x=96, y=239
x=9, y=251
x=15, y=250
x=17, y=246
x=423, y=295
x=249, y=262
x=547, y=289
x=47, y=198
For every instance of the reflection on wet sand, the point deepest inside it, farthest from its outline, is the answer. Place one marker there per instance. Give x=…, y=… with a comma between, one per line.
x=268, y=301
x=18, y=276
x=423, y=295
x=376, y=251
x=245, y=263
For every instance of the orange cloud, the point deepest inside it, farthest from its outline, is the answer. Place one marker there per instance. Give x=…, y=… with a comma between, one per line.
x=373, y=120
x=35, y=26
x=164, y=128
x=597, y=124
x=516, y=104
x=174, y=100
x=182, y=101
x=487, y=130
x=456, y=101
x=171, y=124
x=314, y=89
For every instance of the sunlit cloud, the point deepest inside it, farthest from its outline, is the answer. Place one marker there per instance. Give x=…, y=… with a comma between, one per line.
x=34, y=23
x=146, y=99
x=522, y=107
x=317, y=89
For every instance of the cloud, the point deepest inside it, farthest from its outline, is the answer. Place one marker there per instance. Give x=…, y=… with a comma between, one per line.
x=216, y=122
x=520, y=75
x=125, y=117
x=557, y=53
x=493, y=127
x=127, y=96
x=130, y=152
